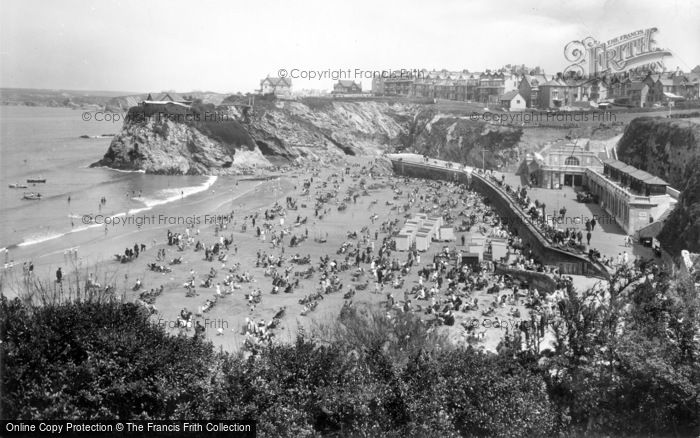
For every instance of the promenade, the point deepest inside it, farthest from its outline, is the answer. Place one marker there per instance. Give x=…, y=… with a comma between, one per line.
x=608, y=238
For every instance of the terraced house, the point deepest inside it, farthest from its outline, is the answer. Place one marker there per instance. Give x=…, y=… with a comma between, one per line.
x=447, y=85
x=543, y=91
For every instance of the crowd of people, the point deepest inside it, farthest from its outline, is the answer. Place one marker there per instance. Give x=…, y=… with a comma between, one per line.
x=444, y=286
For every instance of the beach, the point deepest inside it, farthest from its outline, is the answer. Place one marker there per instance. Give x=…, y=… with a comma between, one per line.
x=74, y=230
x=377, y=209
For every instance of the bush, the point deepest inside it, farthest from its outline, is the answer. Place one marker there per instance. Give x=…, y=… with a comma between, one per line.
x=96, y=360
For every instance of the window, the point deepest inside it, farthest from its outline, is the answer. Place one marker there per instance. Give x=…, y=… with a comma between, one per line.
x=571, y=161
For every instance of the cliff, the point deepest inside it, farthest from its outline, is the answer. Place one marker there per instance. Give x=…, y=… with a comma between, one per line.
x=276, y=132
x=457, y=138
x=322, y=128
x=165, y=146
x=661, y=146
x=682, y=228
x=670, y=148
x=241, y=138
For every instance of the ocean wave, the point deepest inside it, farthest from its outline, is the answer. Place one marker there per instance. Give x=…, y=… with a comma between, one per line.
x=169, y=195
x=33, y=240
x=116, y=170
x=165, y=196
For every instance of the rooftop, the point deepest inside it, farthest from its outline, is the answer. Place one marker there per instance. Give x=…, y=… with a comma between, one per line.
x=635, y=173
x=509, y=95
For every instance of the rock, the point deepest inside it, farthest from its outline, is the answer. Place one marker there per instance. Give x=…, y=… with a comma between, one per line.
x=168, y=147
x=275, y=132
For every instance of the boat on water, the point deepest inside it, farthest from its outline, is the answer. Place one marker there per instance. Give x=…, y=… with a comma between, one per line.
x=36, y=180
x=31, y=196
x=18, y=186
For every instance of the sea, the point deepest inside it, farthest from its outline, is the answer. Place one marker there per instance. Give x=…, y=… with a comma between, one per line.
x=41, y=142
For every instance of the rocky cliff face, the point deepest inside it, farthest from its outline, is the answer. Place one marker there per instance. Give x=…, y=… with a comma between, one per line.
x=682, y=228
x=460, y=139
x=317, y=128
x=272, y=132
x=169, y=147
x=661, y=146
x=670, y=149
x=281, y=132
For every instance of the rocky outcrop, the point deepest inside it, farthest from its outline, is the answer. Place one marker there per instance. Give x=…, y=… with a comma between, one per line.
x=276, y=132
x=459, y=139
x=682, y=228
x=661, y=146
x=269, y=133
x=170, y=147
x=318, y=128
x=669, y=148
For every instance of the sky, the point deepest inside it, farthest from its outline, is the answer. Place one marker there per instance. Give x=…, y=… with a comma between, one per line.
x=229, y=46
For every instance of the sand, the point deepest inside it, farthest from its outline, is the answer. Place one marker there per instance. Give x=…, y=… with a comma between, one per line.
x=247, y=197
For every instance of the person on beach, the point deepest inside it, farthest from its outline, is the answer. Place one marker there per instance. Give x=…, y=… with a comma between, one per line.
x=59, y=275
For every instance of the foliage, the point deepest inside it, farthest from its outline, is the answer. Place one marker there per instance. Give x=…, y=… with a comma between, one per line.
x=106, y=360
x=626, y=357
x=96, y=360
x=624, y=363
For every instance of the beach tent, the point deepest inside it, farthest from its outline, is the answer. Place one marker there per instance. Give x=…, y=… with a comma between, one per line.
x=434, y=230
x=499, y=249
x=412, y=223
x=422, y=241
x=477, y=239
x=436, y=219
x=427, y=231
x=447, y=234
x=403, y=242
x=477, y=249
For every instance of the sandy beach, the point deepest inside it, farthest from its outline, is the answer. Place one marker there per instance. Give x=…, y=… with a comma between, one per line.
x=380, y=204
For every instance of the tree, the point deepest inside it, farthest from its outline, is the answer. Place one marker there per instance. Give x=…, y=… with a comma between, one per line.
x=626, y=356
x=102, y=360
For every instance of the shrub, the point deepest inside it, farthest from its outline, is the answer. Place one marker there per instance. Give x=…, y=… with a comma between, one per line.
x=96, y=360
